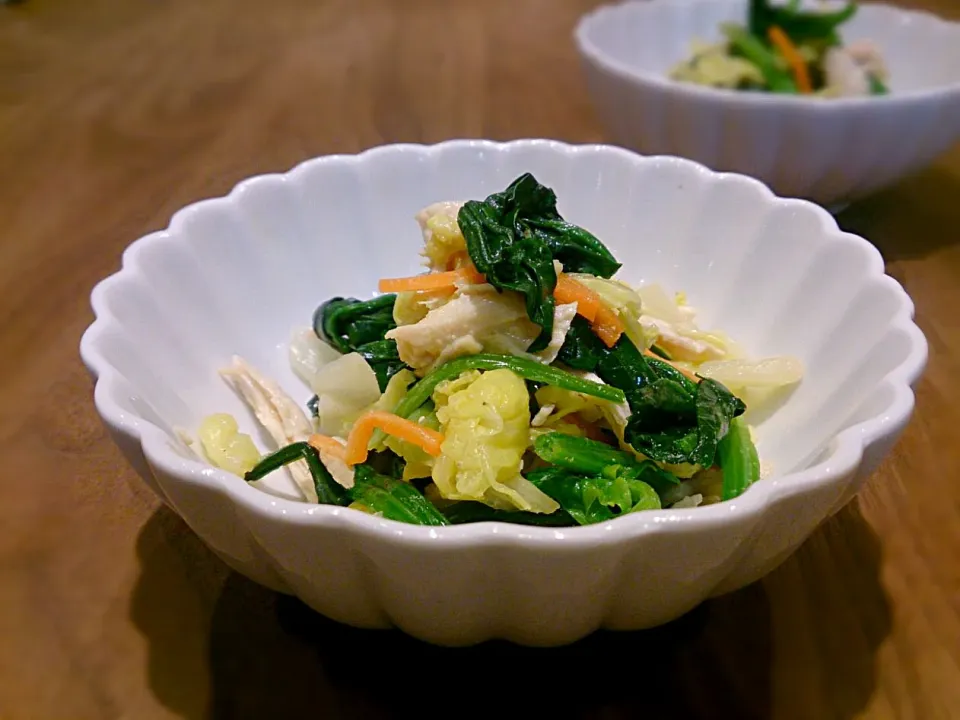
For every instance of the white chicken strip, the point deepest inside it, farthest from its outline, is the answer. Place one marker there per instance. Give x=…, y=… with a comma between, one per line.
x=338, y=469
x=460, y=328
x=844, y=74
x=680, y=347
x=563, y=316
x=277, y=412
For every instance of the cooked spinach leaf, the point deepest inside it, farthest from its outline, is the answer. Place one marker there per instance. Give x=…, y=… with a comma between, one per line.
x=672, y=418
x=384, y=357
x=513, y=238
x=329, y=491
x=589, y=457
x=738, y=459
x=352, y=325
x=393, y=499
x=596, y=498
x=799, y=26
x=348, y=323
x=716, y=407
x=581, y=349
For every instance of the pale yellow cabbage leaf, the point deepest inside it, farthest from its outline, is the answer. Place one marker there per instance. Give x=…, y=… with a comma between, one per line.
x=485, y=419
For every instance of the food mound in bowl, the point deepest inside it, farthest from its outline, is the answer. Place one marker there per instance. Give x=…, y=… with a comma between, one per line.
x=784, y=50
x=515, y=380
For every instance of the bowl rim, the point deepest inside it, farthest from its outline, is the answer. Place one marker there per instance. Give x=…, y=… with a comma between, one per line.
x=841, y=457
x=593, y=52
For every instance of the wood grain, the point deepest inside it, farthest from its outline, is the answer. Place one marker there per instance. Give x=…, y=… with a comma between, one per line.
x=113, y=114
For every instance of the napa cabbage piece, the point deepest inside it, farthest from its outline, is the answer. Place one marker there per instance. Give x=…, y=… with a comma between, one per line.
x=740, y=374
x=625, y=301
x=225, y=446
x=345, y=388
x=442, y=239
x=485, y=419
x=418, y=463
x=671, y=322
x=309, y=354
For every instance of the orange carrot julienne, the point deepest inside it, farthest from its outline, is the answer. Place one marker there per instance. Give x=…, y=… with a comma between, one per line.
x=608, y=326
x=569, y=290
x=650, y=353
x=432, y=281
x=328, y=445
x=429, y=440
x=791, y=54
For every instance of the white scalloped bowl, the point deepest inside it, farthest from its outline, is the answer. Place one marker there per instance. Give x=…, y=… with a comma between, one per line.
x=236, y=274
x=828, y=151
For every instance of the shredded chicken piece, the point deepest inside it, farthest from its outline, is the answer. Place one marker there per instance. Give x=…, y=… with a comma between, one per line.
x=459, y=328
x=277, y=412
x=844, y=75
x=679, y=346
x=867, y=55
x=563, y=316
x=338, y=469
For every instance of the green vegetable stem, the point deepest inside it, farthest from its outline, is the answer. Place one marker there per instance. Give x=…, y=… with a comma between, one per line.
x=418, y=394
x=329, y=491
x=393, y=499
x=589, y=457
x=597, y=498
x=738, y=459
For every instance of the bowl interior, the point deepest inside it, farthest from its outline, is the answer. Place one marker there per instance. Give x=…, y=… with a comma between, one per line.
x=237, y=275
x=649, y=37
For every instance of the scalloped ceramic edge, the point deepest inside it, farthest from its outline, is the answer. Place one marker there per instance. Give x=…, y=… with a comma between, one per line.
x=465, y=584
x=828, y=151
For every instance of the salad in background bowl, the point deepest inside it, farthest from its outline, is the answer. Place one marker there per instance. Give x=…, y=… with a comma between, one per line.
x=884, y=85
x=460, y=422
x=785, y=49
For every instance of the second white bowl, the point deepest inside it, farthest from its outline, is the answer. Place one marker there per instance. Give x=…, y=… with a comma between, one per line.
x=829, y=151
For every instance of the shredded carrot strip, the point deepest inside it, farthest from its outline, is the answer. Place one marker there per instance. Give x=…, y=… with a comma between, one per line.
x=432, y=281
x=608, y=326
x=569, y=290
x=362, y=431
x=326, y=444
x=650, y=353
x=792, y=55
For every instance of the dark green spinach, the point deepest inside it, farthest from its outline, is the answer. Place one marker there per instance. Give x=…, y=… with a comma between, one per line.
x=588, y=457
x=738, y=459
x=799, y=26
x=581, y=349
x=329, y=491
x=352, y=325
x=393, y=499
x=514, y=236
x=672, y=419
x=348, y=323
x=384, y=357
x=598, y=498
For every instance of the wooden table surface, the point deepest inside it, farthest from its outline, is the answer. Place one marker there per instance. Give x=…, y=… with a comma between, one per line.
x=113, y=114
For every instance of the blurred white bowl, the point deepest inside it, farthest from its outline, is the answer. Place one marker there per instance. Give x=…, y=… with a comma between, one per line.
x=829, y=151
x=236, y=274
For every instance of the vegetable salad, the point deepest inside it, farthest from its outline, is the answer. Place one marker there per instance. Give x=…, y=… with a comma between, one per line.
x=785, y=50
x=515, y=380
